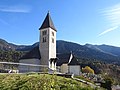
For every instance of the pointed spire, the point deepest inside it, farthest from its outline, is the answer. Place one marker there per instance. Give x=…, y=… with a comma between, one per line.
x=47, y=22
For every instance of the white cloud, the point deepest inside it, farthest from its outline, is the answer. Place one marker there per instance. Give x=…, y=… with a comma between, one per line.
x=112, y=14
x=108, y=30
x=15, y=9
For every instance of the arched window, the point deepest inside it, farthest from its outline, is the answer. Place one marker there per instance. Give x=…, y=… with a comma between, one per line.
x=44, y=33
x=44, y=39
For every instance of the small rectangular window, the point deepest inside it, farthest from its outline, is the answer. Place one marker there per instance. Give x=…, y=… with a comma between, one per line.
x=52, y=40
x=44, y=33
x=44, y=39
x=52, y=33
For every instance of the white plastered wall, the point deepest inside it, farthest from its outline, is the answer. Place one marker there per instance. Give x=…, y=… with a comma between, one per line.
x=64, y=68
x=24, y=68
x=74, y=69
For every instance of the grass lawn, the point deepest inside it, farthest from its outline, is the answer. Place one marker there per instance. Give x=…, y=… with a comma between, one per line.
x=35, y=81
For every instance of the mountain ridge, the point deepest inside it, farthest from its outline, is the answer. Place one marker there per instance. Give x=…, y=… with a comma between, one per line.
x=106, y=53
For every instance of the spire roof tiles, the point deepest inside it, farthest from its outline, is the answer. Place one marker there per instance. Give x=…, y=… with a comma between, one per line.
x=47, y=23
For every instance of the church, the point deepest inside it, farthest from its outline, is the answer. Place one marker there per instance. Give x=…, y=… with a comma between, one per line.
x=44, y=55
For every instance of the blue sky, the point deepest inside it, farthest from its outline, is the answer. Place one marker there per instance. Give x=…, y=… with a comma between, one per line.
x=80, y=21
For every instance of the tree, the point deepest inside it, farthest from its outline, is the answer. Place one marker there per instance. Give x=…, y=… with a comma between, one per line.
x=108, y=83
x=87, y=69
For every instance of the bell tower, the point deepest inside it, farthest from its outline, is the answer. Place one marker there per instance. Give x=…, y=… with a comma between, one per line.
x=47, y=45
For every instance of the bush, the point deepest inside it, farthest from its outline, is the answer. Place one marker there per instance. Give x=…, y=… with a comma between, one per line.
x=87, y=69
x=108, y=83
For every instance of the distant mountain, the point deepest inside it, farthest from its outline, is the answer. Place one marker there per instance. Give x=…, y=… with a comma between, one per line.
x=87, y=51
x=5, y=46
x=106, y=49
x=106, y=53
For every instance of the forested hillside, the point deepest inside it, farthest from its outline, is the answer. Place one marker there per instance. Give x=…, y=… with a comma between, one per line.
x=107, y=70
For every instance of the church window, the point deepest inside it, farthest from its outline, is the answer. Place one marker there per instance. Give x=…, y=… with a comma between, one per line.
x=52, y=40
x=52, y=33
x=44, y=33
x=44, y=39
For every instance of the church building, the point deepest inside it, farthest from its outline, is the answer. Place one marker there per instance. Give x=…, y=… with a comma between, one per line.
x=44, y=55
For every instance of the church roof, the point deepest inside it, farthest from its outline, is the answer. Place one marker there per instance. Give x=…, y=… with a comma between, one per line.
x=47, y=23
x=74, y=61
x=64, y=59
x=33, y=54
